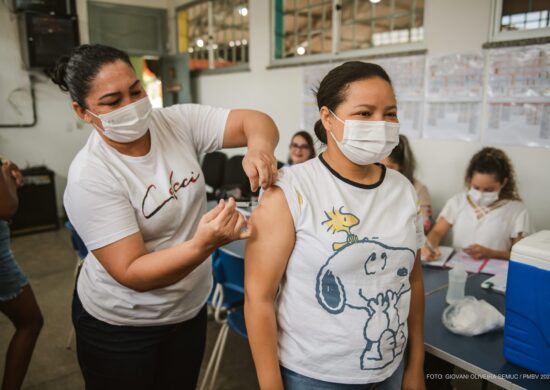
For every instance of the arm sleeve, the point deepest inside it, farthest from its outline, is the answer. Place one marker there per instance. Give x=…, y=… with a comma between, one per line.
x=450, y=210
x=294, y=199
x=522, y=224
x=100, y=213
x=204, y=125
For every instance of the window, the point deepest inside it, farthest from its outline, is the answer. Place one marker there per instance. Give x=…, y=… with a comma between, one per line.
x=327, y=27
x=214, y=33
x=517, y=19
x=137, y=30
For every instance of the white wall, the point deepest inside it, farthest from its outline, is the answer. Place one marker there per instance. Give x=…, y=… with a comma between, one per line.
x=58, y=135
x=450, y=26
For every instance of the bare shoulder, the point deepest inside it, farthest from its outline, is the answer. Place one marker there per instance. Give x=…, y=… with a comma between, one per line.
x=273, y=207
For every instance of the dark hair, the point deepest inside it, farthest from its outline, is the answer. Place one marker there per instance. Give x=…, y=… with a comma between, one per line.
x=74, y=72
x=309, y=139
x=332, y=89
x=495, y=162
x=403, y=156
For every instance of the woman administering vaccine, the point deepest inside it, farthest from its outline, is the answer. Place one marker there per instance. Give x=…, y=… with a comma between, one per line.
x=136, y=196
x=333, y=283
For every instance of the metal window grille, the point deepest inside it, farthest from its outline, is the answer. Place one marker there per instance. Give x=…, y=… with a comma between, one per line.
x=306, y=27
x=217, y=33
x=520, y=15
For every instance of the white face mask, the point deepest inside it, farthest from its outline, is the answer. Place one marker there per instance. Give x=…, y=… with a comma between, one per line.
x=127, y=123
x=367, y=142
x=483, y=199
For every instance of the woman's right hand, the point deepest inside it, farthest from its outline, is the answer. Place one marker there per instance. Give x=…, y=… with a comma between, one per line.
x=221, y=225
x=430, y=254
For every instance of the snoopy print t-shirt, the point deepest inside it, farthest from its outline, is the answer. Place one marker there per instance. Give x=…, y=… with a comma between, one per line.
x=110, y=196
x=344, y=300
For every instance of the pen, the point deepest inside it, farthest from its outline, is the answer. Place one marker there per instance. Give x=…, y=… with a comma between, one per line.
x=436, y=253
x=429, y=245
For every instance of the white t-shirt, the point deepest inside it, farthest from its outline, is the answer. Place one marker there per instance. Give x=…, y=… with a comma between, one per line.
x=495, y=230
x=110, y=196
x=344, y=300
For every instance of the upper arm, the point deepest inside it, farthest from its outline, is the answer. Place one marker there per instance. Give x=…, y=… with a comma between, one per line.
x=416, y=274
x=270, y=245
x=234, y=134
x=117, y=257
x=440, y=229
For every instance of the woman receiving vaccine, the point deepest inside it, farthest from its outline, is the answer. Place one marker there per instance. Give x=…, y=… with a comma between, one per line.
x=136, y=196
x=333, y=285
x=487, y=219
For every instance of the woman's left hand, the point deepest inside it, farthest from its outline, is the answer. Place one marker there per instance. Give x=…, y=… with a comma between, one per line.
x=261, y=168
x=478, y=252
x=413, y=379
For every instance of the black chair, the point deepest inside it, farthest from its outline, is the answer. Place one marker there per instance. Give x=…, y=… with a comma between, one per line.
x=213, y=169
x=235, y=181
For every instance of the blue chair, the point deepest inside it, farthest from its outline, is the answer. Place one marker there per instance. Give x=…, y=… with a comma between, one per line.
x=81, y=252
x=228, y=303
x=78, y=244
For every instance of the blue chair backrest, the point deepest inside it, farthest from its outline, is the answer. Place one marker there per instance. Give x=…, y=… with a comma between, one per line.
x=228, y=270
x=78, y=244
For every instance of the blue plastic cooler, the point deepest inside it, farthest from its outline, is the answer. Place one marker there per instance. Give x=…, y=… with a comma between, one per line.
x=527, y=325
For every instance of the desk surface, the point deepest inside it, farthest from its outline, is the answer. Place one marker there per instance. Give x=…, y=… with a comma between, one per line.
x=481, y=355
x=435, y=279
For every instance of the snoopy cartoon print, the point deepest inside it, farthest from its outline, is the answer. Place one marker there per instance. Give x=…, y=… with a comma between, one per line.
x=369, y=276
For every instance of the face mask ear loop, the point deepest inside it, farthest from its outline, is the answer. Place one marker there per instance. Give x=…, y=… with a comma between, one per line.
x=336, y=116
x=331, y=132
x=93, y=124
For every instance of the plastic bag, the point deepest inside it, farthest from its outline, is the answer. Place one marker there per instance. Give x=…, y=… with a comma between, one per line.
x=471, y=317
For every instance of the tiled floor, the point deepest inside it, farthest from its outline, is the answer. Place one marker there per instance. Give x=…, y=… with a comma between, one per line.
x=48, y=260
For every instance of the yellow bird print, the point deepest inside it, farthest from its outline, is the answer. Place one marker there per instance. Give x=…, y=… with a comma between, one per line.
x=340, y=221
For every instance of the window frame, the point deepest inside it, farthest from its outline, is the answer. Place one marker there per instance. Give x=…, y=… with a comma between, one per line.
x=160, y=14
x=504, y=36
x=240, y=67
x=335, y=55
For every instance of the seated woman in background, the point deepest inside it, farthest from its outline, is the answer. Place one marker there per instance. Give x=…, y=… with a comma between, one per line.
x=489, y=218
x=301, y=148
x=402, y=159
x=340, y=235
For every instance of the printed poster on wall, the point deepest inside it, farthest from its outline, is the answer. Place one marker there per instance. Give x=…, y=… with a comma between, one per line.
x=454, y=95
x=407, y=75
x=518, y=96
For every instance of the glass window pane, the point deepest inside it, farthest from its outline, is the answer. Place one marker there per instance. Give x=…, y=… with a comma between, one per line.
x=230, y=39
x=231, y=32
x=302, y=27
x=389, y=22
x=524, y=15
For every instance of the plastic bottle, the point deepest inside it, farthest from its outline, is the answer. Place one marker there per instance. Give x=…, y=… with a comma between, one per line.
x=457, y=284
